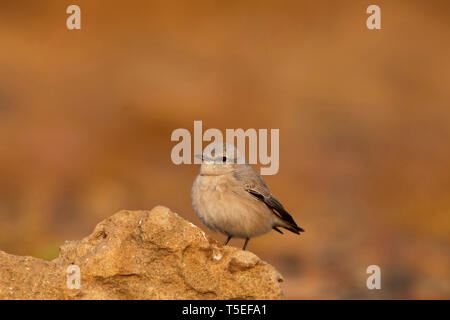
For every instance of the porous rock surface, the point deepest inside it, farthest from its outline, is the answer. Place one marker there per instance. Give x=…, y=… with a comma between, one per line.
x=142, y=255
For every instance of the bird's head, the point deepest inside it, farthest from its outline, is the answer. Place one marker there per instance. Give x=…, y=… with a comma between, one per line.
x=219, y=159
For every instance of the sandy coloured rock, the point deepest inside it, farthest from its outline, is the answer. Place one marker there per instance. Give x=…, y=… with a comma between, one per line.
x=142, y=255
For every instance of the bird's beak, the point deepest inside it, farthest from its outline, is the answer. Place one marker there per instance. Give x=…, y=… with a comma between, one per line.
x=199, y=156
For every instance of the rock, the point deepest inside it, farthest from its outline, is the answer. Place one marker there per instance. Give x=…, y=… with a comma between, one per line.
x=142, y=255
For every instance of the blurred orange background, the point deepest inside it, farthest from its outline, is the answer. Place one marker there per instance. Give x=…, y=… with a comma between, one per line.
x=364, y=116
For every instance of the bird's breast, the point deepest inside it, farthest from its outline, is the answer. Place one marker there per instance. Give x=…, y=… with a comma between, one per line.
x=224, y=205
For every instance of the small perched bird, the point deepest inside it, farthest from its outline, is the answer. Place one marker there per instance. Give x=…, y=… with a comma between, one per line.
x=232, y=198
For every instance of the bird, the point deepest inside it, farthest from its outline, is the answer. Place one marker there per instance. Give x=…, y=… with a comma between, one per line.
x=231, y=197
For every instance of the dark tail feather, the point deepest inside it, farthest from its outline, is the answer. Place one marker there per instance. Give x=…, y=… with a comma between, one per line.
x=277, y=230
x=295, y=229
x=285, y=219
x=291, y=227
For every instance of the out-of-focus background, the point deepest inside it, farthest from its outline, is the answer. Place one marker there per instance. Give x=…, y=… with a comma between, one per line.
x=364, y=116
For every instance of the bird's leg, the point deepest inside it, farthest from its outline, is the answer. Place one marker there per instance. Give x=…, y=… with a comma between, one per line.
x=245, y=244
x=228, y=239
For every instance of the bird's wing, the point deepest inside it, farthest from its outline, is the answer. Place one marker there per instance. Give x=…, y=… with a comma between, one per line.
x=255, y=185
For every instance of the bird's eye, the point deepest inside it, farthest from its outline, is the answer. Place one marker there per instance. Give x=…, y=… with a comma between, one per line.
x=224, y=159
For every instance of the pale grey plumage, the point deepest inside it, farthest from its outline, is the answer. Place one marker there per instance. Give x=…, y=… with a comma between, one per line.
x=233, y=199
